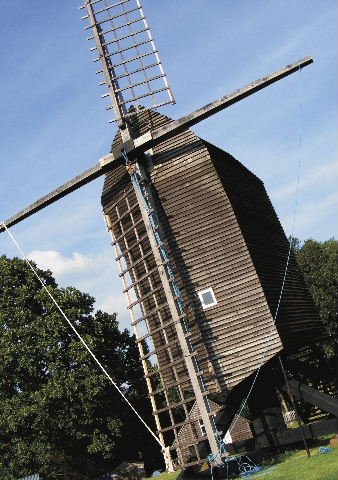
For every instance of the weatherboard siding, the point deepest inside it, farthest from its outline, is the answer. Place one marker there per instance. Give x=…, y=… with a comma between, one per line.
x=203, y=236
x=217, y=223
x=297, y=321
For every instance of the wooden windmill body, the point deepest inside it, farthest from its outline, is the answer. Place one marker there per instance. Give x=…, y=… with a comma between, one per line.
x=221, y=233
x=200, y=249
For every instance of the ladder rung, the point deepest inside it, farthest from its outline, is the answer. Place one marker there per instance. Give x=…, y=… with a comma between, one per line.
x=136, y=263
x=119, y=39
x=173, y=405
x=156, y=350
x=92, y=2
x=143, y=277
x=109, y=19
x=148, y=94
x=127, y=231
x=118, y=28
x=158, y=329
x=186, y=422
x=124, y=50
x=124, y=215
x=168, y=365
x=147, y=295
x=111, y=6
x=132, y=59
x=126, y=192
x=124, y=252
x=191, y=443
x=181, y=381
x=140, y=83
x=141, y=69
x=150, y=313
x=133, y=245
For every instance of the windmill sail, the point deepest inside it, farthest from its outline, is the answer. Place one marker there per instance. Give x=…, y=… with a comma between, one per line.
x=131, y=66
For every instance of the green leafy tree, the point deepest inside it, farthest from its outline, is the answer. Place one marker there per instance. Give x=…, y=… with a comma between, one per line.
x=319, y=264
x=59, y=415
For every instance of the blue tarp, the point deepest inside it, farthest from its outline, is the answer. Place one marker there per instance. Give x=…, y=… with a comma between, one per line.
x=36, y=476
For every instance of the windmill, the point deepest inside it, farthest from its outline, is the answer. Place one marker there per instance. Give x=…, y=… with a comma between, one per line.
x=188, y=225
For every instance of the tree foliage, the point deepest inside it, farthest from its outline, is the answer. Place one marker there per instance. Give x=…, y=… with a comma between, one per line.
x=319, y=264
x=59, y=415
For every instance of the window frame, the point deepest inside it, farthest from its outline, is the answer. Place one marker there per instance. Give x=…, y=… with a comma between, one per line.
x=200, y=295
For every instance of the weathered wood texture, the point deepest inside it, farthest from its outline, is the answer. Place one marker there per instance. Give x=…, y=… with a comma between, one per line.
x=208, y=250
x=297, y=321
x=307, y=394
x=241, y=430
x=290, y=436
x=221, y=232
x=169, y=386
x=187, y=435
x=192, y=433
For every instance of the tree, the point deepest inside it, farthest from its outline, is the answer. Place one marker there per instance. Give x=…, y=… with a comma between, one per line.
x=59, y=415
x=319, y=264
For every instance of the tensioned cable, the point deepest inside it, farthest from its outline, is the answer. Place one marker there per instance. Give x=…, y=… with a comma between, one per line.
x=288, y=256
x=79, y=336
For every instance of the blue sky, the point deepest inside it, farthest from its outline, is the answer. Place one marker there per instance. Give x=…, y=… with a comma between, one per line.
x=54, y=124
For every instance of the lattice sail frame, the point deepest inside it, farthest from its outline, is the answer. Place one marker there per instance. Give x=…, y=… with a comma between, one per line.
x=131, y=66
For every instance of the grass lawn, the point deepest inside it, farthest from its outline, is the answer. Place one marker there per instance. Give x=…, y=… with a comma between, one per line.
x=295, y=466
x=168, y=476
x=298, y=467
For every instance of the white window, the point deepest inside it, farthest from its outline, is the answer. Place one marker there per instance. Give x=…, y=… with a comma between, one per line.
x=207, y=298
x=202, y=427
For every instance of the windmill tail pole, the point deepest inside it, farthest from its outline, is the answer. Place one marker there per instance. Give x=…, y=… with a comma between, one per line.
x=149, y=140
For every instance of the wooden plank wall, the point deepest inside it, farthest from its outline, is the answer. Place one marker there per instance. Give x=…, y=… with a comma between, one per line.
x=298, y=322
x=168, y=381
x=213, y=213
x=208, y=250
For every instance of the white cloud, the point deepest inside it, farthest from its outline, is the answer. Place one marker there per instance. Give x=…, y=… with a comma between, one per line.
x=95, y=274
x=315, y=216
x=316, y=175
x=59, y=264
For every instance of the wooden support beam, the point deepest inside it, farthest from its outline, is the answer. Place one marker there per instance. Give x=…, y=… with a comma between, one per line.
x=286, y=437
x=314, y=397
x=80, y=180
x=197, y=116
x=139, y=145
x=151, y=139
